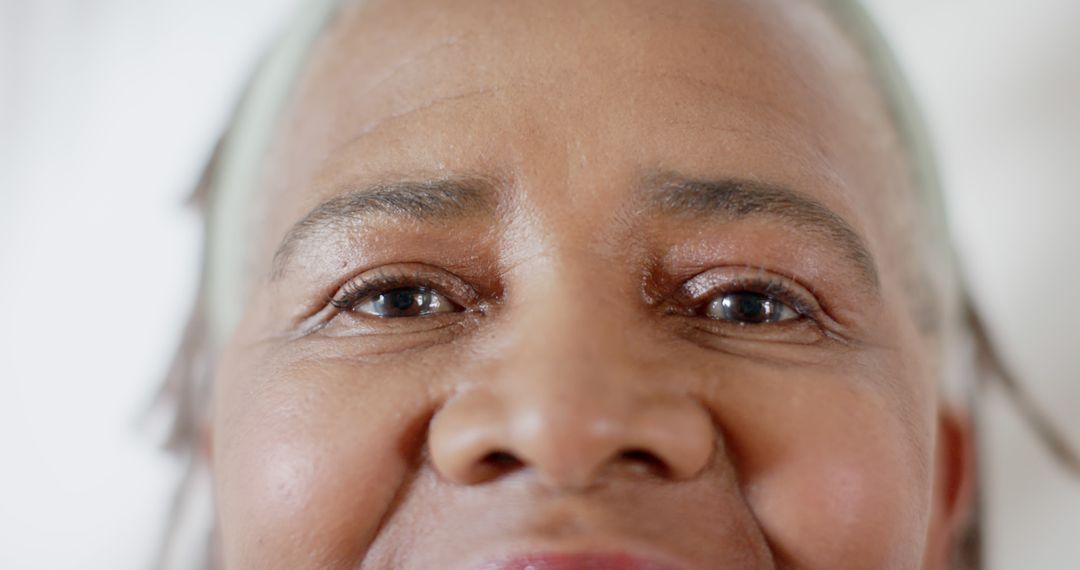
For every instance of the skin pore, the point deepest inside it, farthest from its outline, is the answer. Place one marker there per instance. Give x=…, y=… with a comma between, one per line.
x=593, y=278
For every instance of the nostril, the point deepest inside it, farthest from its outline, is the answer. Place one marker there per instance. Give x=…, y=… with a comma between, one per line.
x=498, y=463
x=502, y=459
x=644, y=462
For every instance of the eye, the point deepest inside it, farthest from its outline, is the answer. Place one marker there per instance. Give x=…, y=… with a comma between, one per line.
x=740, y=308
x=744, y=296
x=404, y=302
x=748, y=307
x=399, y=305
x=401, y=291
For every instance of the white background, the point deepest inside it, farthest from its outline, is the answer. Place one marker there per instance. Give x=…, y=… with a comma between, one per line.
x=109, y=107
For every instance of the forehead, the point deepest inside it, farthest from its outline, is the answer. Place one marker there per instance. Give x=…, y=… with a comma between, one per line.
x=572, y=95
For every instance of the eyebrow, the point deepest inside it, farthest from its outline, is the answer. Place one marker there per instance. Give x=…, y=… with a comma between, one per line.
x=738, y=199
x=421, y=200
x=457, y=197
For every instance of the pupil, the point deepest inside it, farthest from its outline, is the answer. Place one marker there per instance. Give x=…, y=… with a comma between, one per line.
x=403, y=299
x=748, y=307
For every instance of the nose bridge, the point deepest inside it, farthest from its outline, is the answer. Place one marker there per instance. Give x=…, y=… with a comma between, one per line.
x=572, y=332
x=573, y=352
x=569, y=397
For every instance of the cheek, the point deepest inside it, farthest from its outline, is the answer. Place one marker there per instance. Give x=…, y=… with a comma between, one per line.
x=305, y=472
x=847, y=489
x=841, y=511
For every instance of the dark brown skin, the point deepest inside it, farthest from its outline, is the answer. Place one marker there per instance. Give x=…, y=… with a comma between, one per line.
x=573, y=392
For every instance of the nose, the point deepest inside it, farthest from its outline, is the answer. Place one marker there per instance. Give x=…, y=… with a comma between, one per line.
x=572, y=406
x=569, y=443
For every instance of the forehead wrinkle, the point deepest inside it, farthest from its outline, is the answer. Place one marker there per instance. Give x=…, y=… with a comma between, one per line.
x=396, y=68
x=814, y=145
x=765, y=110
x=769, y=111
x=428, y=104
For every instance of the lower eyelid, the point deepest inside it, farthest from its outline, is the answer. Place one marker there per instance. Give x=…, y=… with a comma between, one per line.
x=800, y=331
x=363, y=325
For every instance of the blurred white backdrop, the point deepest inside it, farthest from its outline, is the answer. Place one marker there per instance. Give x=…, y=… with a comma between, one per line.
x=109, y=107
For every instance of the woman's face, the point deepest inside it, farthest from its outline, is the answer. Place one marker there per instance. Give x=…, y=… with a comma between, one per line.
x=563, y=284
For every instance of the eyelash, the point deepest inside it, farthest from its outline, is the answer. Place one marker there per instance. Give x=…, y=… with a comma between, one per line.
x=768, y=286
x=690, y=299
x=388, y=279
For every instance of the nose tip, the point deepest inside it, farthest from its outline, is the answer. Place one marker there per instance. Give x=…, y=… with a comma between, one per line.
x=479, y=438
